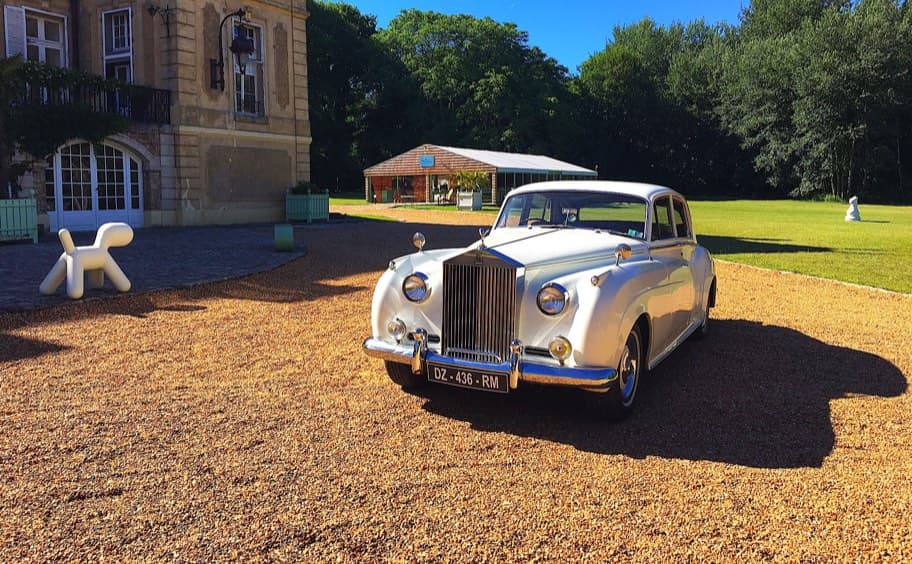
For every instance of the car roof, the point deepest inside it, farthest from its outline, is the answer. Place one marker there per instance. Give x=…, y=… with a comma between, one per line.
x=645, y=191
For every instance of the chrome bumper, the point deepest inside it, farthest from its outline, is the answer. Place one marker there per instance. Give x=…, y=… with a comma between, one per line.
x=519, y=368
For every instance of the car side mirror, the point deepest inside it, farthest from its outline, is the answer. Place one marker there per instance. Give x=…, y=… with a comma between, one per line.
x=622, y=252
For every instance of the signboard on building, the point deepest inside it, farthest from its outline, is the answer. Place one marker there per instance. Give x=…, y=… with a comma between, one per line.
x=426, y=161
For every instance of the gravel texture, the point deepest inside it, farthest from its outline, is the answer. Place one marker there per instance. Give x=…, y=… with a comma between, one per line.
x=240, y=419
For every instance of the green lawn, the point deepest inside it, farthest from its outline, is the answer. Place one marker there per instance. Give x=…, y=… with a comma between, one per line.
x=347, y=200
x=812, y=238
x=486, y=208
x=805, y=237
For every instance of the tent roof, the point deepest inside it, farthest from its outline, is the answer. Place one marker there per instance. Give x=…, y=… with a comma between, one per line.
x=518, y=162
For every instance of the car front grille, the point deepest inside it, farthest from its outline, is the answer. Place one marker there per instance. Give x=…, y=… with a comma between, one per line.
x=479, y=301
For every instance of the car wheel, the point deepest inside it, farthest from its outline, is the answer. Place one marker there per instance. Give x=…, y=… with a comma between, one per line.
x=617, y=403
x=402, y=374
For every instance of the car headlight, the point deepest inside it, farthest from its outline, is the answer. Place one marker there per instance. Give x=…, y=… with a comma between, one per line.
x=415, y=287
x=552, y=299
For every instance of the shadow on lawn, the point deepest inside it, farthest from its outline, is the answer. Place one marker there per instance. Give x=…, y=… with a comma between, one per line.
x=736, y=245
x=749, y=394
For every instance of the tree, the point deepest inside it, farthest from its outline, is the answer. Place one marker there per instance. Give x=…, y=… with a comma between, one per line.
x=483, y=85
x=33, y=124
x=822, y=95
x=650, y=98
x=364, y=105
x=9, y=79
x=765, y=19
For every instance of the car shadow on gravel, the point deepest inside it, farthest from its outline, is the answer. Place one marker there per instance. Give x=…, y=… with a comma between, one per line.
x=749, y=394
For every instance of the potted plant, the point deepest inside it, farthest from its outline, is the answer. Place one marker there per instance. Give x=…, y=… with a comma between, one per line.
x=469, y=186
x=305, y=202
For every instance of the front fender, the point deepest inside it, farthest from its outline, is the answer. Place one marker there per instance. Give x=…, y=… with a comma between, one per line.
x=390, y=303
x=604, y=314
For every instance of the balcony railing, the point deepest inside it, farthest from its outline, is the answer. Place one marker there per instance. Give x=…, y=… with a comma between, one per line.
x=249, y=107
x=137, y=103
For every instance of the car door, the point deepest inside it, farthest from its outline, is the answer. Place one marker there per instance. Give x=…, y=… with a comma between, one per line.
x=669, y=305
x=688, y=308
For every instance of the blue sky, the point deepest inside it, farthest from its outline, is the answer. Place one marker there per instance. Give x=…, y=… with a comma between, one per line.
x=568, y=30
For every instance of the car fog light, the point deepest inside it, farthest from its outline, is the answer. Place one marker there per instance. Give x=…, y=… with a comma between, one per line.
x=560, y=349
x=396, y=328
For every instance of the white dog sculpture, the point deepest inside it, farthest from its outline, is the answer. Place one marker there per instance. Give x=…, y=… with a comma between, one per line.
x=94, y=261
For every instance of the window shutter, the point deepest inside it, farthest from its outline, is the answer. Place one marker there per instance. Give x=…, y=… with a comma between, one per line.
x=14, y=17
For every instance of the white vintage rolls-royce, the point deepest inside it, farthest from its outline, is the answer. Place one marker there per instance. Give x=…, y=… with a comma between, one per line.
x=579, y=283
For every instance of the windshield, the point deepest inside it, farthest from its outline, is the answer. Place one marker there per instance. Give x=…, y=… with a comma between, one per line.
x=607, y=211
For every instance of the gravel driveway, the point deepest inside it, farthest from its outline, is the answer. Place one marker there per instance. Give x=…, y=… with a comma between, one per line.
x=241, y=420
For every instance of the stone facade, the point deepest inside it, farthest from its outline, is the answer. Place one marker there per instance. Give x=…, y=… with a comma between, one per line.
x=227, y=156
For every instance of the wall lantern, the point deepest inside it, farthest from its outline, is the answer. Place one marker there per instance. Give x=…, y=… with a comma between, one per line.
x=164, y=13
x=242, y=47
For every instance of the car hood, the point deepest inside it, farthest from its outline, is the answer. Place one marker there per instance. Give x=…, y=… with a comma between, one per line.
x=538, y=246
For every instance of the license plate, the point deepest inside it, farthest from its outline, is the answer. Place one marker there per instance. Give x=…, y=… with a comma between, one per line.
x=474, y=379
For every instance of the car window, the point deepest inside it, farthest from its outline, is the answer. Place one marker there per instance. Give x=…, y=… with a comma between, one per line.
x=618, y=213
x=662, y=227
x=519, y=211
x=540, y=208
x=680, y=218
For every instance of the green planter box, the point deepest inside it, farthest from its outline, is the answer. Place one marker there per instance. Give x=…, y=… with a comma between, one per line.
x=468, y=200
x=19, y=219
x=307, y=207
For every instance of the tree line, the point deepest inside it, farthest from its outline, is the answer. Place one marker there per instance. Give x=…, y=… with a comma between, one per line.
x=802, y=98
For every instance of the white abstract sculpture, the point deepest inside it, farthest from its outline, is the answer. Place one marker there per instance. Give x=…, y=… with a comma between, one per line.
x=93, y=261
x=852, y=213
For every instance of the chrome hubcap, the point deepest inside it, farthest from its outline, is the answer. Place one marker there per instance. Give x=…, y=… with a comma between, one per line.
x=629, y=370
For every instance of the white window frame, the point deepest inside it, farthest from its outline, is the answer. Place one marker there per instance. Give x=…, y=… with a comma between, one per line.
x=134, y=215
x=42, y=43
x=122, y=55
x=256, y=67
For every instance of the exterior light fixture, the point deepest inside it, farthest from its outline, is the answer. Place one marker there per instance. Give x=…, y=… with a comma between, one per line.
x=164, y=13
x=242, y=48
